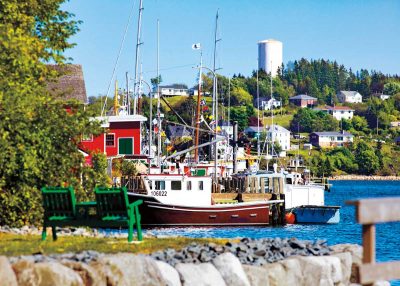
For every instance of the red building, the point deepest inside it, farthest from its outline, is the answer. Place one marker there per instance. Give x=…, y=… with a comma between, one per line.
x=122, y=136
x=303, y=100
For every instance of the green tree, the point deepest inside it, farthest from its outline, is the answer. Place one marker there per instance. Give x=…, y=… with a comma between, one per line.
x=39, y=141
x=366, y=159
x=391, y=88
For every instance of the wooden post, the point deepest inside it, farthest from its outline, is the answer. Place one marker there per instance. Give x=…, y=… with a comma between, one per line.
x=368, y=236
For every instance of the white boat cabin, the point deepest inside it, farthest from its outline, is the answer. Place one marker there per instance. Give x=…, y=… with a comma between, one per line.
x=179, y=190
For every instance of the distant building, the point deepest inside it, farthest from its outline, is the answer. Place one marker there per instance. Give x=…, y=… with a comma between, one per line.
x=173, y=90
x=70, y=84
x=349, y=96
x=176, y=131
x=270, y=56
x=267, y=104
x=395, y=124
x=276, y=133
x=338, y=112
x=331, y=139
x=226, y=127
x=253, y=131
x=381, y=96
x=303, y=100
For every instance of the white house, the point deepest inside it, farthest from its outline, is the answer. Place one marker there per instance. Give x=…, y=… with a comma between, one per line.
x=331, y=139
x=268, y=104
x=173, y=90
x=381, y=96
x=276, y=133
x=338, y=112
x=349, y=96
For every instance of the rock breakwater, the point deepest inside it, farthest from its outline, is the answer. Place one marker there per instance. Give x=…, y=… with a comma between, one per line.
x=247, y=262
x=256, y=252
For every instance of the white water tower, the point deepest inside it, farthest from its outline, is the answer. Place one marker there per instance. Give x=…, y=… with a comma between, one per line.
x=270, y=56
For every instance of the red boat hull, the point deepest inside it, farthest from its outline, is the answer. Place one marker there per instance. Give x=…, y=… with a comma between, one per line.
x=154, y=213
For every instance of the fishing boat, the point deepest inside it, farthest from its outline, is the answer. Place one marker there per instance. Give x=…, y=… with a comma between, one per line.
x=185, y=200
x=305, y=201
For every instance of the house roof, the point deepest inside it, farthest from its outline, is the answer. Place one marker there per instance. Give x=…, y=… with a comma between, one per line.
x=70, y=84
x=303, y=97
x=253, y=129
x=326, y=107
x=277, y=128
x=178, y=131
x=176, y=86
x=333, y=133
x=349, y=92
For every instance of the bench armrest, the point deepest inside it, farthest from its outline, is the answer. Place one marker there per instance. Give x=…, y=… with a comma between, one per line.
x=136, y=203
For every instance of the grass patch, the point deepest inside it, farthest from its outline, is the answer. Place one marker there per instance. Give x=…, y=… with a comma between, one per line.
x=282, y=120
x=14, y=245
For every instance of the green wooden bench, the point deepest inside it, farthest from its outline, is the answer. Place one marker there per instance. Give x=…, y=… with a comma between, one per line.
x=112, y=210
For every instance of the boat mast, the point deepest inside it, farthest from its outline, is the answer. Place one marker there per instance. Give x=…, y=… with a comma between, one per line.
x=138, y=43
x=158, y=97
x=116, y=101
x=258, y=118
x=272, y=115
x=196, y=140
x=215, y=95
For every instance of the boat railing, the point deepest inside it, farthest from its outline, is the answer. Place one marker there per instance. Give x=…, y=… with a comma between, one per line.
x=369, y=212
x=134, y=184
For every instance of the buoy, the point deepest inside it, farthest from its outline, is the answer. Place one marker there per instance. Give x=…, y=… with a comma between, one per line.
x=290, y=218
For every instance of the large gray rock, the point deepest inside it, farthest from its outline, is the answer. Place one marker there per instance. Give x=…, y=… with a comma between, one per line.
x=321, y=270
x=7, y=275
x=46, y=274
x=231, y=269
x=204, y=274
x=169, y=274
x=88, y=274
x=293, y=271
x=276, y=273
x=257, y=275
x=124, y=269
x=346, y=264
x=356, y=252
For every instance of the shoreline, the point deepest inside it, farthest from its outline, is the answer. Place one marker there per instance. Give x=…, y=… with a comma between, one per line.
x=363, y=178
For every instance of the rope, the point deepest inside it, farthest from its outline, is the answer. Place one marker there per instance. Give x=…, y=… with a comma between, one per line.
x=118, y=56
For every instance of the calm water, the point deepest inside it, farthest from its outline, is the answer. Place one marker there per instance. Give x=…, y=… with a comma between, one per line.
x=347, y=231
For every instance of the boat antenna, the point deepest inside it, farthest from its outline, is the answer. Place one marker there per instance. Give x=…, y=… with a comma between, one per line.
x=138, y=44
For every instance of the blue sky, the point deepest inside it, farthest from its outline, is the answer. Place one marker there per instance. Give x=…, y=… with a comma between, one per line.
x=356, y=33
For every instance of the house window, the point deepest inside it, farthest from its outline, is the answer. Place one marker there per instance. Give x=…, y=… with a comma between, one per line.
x=110, y=140
x=340, y=138
x=125, y=146
x=176, y=185
x=189, y=185
x=201, y=186
x=332, y=138
x=159, y=185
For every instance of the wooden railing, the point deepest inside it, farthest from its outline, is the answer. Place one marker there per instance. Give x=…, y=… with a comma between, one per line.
x=368, y=213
